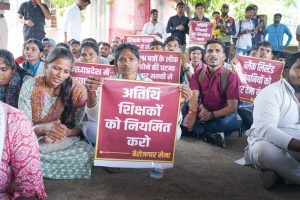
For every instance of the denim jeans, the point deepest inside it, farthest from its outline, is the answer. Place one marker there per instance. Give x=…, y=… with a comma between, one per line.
x=227, y=124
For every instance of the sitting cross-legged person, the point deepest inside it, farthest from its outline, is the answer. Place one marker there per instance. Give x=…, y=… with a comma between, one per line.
x=274, y=137
x=55, y=105
x=20, y=168
x=212, y=109
x=11, y=78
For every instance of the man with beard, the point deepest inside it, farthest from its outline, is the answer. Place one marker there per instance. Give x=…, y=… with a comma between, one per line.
x=224, y=28
x=274, y=137
x=259, y=26
x=32, y=14
x=72, y=20
x=75, y=47
x=213, y=107
x=275, y=33
x=48, y=44
x=154, y=27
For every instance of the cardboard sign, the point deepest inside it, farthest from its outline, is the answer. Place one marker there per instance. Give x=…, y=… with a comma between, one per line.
x=161, y=66
x=255, y=74
x=137, y=124
x=142, y=41
x=200, y=32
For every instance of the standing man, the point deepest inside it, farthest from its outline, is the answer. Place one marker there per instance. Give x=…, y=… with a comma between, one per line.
x=245, y=30
x=275, y=34
x=259, y=26
x=72, y=20
x=178, y=26
x=225, y=28
x=154, y=27
x=4, y=5
x=298, y=36
x=32, y=14
x=200, y=10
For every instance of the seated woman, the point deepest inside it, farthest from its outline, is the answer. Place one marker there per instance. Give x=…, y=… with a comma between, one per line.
x=33, y=53
x=55, y=104
x=11, y=78
x=89, y=53
x=127, y=66
x=125, y=53
x=20, y=173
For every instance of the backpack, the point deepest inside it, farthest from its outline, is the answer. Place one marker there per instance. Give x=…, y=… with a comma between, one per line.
x=218, y=19
x=223, y=77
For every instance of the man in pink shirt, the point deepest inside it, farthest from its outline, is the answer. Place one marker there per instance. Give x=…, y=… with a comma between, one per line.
x=213, y=107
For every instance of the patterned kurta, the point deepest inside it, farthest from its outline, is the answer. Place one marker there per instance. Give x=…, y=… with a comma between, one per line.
x=20, y=168
x=74, y=162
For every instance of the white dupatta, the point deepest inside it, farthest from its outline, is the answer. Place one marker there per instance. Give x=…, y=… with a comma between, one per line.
x=3, y=122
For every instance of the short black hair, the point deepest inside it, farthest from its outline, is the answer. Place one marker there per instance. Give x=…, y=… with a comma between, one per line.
x=180, y=4
x=199, y=4
x=86, y=1
x=73, y=41
x=215, y=41
x=131, y=47
x=215, y=12
x=153, y=11
x=171, y=38
x=89, y=40
x=249, y=8
x=156, y=42
x=64, y=45
x=195, y=48
x=278, y=15
x=103, y=44
x=292, y=58
x=90, y=44
x=264, y=44
x=283, y=54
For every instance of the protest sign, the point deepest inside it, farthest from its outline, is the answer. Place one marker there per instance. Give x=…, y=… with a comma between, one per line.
x=137, y=124
x=255, y=74
x=142, y=41
x=200, y=32
x=81, y=71
x=161, y=66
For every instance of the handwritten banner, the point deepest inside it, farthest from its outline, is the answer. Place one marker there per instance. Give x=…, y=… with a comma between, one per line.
x=81, y=71
x=142, y=41
x=161, y=66
x=255, y=74
x=137, y=124
x=200, y=32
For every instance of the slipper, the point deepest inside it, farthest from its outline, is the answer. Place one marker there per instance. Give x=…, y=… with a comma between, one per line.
x=112, y=170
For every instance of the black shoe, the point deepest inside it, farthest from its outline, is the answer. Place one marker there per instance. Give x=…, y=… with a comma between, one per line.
x=219, y=139
x=207, y=137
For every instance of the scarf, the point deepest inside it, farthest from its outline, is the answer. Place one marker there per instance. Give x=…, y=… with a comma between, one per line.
x=10, y=96
x=2, y=128
x=78, y=95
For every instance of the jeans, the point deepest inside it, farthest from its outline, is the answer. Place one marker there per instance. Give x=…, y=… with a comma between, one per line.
x=240, y=51
x=227, y=124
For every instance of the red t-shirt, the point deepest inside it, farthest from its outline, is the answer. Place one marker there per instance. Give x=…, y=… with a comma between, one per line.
x=212, y=95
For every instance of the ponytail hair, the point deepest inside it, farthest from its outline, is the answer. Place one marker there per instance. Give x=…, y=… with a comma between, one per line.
x=65, y=93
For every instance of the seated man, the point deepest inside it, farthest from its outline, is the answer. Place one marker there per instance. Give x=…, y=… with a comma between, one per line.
x=274, y=137
x=213, y=107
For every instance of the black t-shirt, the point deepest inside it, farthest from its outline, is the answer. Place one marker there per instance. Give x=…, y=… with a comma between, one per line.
x=36, y=15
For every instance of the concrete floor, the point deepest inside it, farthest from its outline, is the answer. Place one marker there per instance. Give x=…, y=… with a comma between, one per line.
x=201, y=171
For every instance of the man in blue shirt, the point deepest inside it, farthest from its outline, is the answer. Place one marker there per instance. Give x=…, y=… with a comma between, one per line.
x=275, y=34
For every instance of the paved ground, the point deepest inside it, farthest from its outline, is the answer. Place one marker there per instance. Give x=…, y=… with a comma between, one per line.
x=201, y=171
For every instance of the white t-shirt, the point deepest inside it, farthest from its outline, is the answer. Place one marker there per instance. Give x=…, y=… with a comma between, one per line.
x=245, y=40
x=150, y=29
x=72, y=22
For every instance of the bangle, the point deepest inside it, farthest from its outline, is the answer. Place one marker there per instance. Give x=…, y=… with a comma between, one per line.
x=191, y=110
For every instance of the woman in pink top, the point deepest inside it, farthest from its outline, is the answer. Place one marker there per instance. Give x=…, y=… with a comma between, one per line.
x=20, y=168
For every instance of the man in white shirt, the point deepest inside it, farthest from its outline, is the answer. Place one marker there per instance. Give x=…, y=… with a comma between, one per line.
x=4, y=5
x=274, y=137
x=245, y=29
x=154, y=27
x=72, y=20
